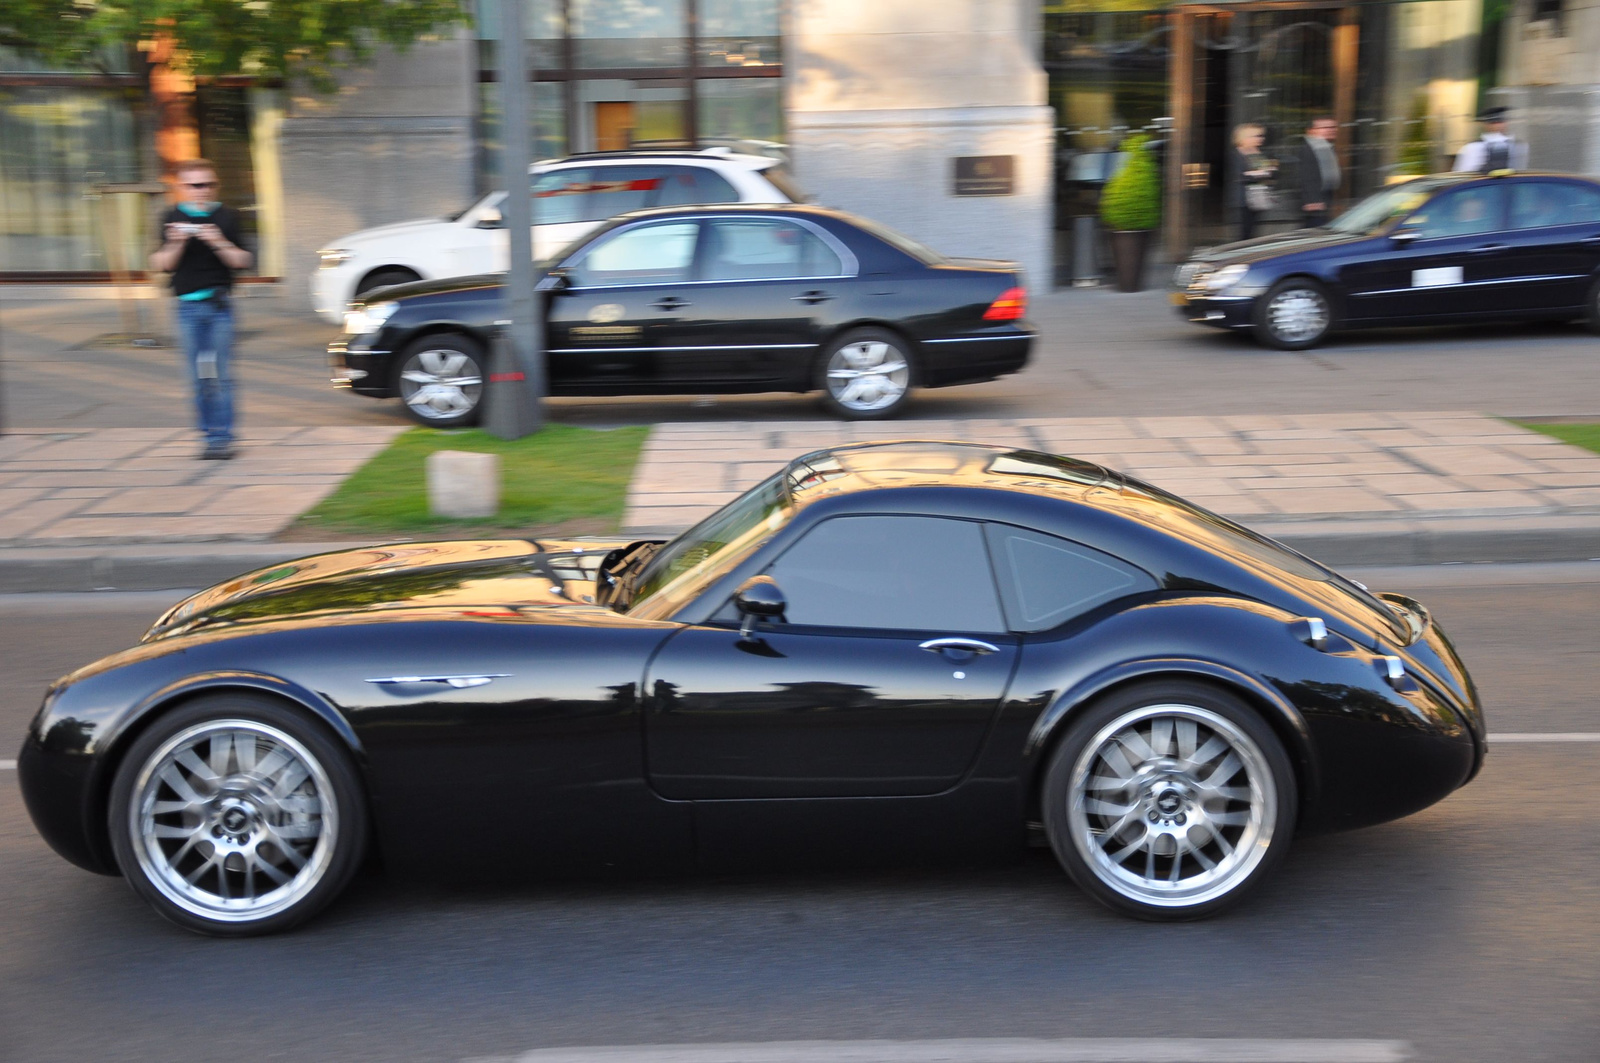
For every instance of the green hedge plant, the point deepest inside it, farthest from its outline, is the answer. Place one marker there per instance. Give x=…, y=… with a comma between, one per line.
x=1132, y=199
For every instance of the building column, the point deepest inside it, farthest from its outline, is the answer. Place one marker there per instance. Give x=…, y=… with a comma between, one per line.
x=883, y=98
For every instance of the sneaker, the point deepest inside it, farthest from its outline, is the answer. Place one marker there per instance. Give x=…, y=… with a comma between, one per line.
x=217, y=452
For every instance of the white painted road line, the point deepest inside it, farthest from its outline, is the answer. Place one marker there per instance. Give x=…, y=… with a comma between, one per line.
x=989, y=1050
x=8, y=765
x=1545, y=736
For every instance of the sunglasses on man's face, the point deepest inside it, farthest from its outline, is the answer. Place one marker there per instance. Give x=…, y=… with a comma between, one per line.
x=199, y=184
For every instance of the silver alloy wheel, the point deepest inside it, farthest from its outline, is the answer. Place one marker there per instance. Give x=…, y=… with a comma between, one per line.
x=233, y=820
x=1172, y=805
x=1296, y=315
x=868, y=375
x=440, y=383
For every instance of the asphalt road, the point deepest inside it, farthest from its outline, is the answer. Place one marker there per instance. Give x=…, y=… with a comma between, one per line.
x=1466, y=932
x=1099, y=353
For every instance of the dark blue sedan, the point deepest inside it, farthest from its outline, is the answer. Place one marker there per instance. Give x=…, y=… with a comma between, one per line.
x=1448, y=249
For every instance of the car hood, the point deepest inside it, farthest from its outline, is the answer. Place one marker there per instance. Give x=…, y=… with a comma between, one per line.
x=1265, y=247
x=486, y=283
x=471, y=575
x=396, y=230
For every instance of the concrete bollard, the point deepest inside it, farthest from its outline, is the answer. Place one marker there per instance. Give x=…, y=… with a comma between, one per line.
x=462, y=484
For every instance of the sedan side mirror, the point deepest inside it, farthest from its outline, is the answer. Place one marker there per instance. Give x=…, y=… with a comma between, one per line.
x=1405, y=236
x=491, y=218
x=758, y=598
x=555, y=282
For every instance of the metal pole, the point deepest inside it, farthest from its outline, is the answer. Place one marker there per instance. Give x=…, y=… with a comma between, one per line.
x=516, y=385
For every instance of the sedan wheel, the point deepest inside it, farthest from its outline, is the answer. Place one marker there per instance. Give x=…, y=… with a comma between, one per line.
x=1295, y=316
x=441, y=382
x=1170, y=806
x=867, y=374
x=236, y=822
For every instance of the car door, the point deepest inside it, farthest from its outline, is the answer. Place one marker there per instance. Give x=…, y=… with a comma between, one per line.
x=625, y=299
x=1447, y=259
x=883, y=680
x=769, y=287
x=1553, y=242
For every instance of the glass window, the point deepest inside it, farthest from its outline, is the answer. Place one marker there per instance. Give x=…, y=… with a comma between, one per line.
x=1540, y=204
x=765, y=249
x=629, y=33
x=891, y=572
x=1047, y=581
x=1463, y=212
x=645, y=254
x=686, y=564
x=1379, y=209
x=561, y=196
x=745, y=114
x=738, y=33
x=683, y=185
x=549, y=127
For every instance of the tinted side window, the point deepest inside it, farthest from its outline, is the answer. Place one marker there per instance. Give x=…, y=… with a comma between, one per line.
x=1047, y=581
x=1539, y=204
x=662, y=253
x=1465, y=212
x=766, y=249
x=619, y=189
x=562, y=196
x=684, y=185
x=891, y=572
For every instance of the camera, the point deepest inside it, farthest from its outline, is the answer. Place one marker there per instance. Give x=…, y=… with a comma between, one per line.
x=186, y=228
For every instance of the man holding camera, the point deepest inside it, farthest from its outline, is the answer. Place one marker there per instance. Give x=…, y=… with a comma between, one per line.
x=201, y=249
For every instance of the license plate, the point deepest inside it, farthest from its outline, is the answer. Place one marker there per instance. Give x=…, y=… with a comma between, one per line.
x=1178, y=298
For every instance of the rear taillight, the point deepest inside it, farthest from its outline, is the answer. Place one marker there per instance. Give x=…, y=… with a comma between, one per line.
x=1011, y=305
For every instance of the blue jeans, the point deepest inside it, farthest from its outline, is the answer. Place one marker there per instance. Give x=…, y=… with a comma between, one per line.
x=207, y=329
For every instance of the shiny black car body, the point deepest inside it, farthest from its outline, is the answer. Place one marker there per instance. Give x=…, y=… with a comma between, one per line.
x=1447, y=249
x=735, y=299
x=956, y=617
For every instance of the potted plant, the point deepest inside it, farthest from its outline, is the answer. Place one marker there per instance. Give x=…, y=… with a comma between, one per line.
x=1130, y=206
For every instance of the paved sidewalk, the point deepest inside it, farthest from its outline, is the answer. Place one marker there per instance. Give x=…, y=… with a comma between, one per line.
x=145, y=485
x=1262, y=470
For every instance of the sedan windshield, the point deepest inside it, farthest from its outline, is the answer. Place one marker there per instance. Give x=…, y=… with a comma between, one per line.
x=683, y=566
x=1379, y=209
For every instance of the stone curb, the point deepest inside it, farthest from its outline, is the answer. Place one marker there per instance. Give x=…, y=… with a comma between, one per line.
x=1339, y=543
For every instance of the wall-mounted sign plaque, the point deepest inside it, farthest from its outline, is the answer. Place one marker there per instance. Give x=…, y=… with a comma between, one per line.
x=986, y=175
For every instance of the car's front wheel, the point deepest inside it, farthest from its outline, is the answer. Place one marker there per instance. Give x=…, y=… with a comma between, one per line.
x=867, y=374
x=236, y=815
x=441, y=381
x=1294, y=315
x=1169, y=800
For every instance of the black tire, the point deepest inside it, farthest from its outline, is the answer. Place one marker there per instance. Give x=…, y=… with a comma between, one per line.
x=439, y=379
x=320, y=821
x=1591, y=308
x=1123, y=847
x=859, y=351
x=1295, y=314
x=383, y=277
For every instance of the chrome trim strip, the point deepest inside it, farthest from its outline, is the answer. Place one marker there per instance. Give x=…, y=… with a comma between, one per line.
x=721, y=347
x=975, y=339
x=1478, y=284
x=460, y=682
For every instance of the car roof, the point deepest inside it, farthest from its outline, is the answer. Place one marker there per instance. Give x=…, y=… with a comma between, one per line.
x=695, y=209
x=939, y=463
x=691, y=156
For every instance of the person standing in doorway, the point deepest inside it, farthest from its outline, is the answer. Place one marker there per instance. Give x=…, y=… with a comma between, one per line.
x=1319, y=172
x=1253, y=186
x=201, y=250
x=1495, y=149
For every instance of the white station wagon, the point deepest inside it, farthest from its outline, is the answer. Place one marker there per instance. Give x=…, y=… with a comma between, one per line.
x=571, y=197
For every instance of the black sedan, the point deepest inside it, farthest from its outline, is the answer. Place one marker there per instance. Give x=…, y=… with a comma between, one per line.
x=884, y=652
x=724, y=299
x=1450, y=249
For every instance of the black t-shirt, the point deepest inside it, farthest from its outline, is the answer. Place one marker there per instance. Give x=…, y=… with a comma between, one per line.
x=199, y=267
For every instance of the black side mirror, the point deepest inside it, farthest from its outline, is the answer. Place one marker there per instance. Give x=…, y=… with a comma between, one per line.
x=1405, y=235
x=758, y=598
x=555, y=282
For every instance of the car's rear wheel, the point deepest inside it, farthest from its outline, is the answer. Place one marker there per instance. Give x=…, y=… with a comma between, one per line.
x=867, y=374
x=382, y=278
x=1294, y=315
x=441, y=381
x=236, y=815
x=1169, y=800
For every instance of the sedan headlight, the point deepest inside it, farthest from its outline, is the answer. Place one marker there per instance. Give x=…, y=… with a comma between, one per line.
x=363, y=320
x=329, y=257
x=1185, y=274
x=1226, y=277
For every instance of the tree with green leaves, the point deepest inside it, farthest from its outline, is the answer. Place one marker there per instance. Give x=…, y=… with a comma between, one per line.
x=289, y=39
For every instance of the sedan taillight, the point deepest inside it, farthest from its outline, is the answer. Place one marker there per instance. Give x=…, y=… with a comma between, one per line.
x=1011, y=305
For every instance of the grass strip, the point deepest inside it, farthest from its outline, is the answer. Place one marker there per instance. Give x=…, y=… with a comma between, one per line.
x=1581, y=435
x=561, y=480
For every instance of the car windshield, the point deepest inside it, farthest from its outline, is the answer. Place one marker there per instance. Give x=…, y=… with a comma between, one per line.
x=678, y=571
x=1379, y=209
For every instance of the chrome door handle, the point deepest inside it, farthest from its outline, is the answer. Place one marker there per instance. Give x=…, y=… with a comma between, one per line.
x=812, y=297
x=955, y=645
x=671, y=302
x=460, y=682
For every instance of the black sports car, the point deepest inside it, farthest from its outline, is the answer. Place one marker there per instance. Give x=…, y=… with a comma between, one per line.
x=885, y=652
x=1449, y=249
x=721, y=299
